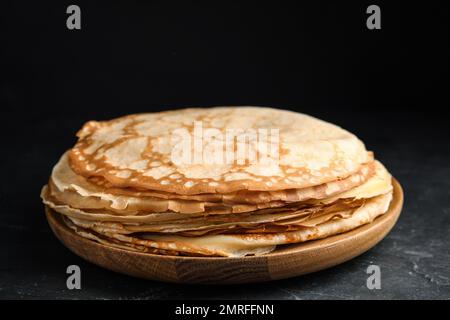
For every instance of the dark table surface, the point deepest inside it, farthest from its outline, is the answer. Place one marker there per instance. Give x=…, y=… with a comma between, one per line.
x=414, y=258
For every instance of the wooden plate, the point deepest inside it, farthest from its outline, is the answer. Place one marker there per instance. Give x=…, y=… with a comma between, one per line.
x=287, y=261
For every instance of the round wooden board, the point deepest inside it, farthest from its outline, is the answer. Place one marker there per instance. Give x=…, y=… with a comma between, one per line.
x=287, y=261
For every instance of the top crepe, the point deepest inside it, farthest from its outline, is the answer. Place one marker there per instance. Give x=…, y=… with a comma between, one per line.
x=136, y=151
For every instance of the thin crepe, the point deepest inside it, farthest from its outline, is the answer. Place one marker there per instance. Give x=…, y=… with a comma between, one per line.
x=74, y=190
x=238, y=245
x=138, y=151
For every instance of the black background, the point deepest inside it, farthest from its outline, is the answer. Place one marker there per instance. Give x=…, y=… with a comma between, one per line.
x=388, y=86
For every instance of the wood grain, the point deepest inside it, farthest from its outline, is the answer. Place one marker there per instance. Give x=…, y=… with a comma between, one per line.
x=286, y=261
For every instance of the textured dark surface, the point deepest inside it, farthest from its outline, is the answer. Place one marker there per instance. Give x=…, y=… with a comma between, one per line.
x=414, y=258
x=388, y=87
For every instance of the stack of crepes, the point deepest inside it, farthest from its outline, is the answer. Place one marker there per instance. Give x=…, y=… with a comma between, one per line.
x=120, y=186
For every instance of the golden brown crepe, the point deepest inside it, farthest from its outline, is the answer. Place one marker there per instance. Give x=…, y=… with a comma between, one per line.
x=120, y=187
x=135, y=151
